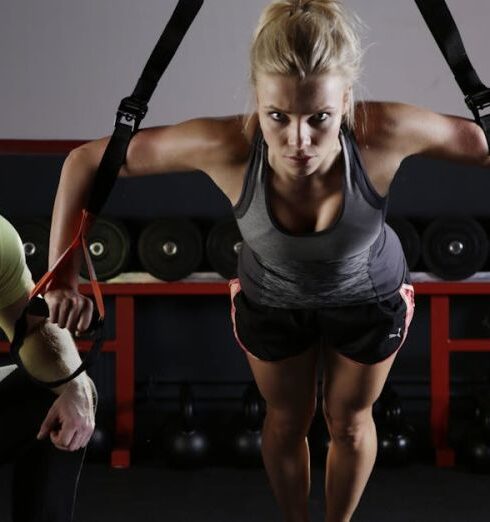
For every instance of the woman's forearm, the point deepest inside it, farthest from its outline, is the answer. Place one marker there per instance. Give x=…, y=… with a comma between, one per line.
x=74, y=188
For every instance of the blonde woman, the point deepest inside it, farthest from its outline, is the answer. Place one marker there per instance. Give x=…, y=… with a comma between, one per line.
x=308, y=176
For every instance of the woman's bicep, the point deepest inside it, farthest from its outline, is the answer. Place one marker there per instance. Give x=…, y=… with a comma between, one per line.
x=191, y=145
x=445, y=137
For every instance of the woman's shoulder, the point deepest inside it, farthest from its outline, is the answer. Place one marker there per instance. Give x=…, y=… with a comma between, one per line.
x=378, y=137
x=230, y=141
x=233, y=135
x=386, y=126
x=376, y=121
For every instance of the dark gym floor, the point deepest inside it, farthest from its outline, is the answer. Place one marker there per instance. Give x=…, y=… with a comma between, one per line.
x=418, y=493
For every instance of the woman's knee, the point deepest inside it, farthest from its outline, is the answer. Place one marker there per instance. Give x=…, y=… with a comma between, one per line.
x=349, y=428
x=290, y=425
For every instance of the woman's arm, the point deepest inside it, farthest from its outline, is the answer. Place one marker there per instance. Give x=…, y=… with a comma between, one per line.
x=420, y=131
x=388, y=133
x=214, y=146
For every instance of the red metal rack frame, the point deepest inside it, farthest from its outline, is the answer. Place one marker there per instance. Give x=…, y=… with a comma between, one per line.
x=441, y=346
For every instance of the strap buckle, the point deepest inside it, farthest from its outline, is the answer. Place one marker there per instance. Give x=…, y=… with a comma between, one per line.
x=477, y=103
x=130, y=112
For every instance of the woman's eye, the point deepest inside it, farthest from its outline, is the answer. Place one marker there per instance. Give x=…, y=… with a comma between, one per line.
x=277, y=116
x=321, y=116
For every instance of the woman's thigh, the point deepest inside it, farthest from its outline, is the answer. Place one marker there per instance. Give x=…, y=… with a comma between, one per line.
x=288, y=385
x=350, y=387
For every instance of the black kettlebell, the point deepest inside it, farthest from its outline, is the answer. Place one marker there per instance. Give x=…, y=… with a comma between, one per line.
x=100, y=445
x=184, y=445
x=247, y=441
x=395, y=444
x=396, y=438
x=482, y=413
x=388, y=407
x=475, y=450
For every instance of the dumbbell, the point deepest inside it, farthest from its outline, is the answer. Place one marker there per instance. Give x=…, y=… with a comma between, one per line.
x=454, y=248
x=170, y=249
x=34, y=233
x=109, y=245
x=223, y=245
x=409, y=239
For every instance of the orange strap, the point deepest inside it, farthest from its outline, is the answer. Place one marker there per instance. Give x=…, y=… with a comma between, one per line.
x=79, y=239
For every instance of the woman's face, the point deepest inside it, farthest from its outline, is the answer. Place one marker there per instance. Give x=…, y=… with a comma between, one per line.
x=300, y=120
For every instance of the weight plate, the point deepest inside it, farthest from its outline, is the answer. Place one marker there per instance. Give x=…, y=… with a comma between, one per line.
x=34, y=233
x=109, y=244
x=454, y=248
x=170, y=249
x=409, y=238
x=222, y=247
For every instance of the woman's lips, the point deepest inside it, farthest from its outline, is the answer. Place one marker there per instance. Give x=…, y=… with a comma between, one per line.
x=299, y=160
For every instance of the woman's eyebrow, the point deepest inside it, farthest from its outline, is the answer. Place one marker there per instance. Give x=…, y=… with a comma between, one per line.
x=316, y=111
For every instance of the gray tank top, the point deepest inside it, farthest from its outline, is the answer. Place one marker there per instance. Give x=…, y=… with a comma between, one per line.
x=358, y=259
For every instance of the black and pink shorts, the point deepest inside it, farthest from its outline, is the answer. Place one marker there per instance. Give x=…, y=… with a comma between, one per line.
x=365, y=333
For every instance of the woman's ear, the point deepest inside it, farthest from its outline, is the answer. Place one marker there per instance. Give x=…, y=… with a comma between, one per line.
x=347, y=100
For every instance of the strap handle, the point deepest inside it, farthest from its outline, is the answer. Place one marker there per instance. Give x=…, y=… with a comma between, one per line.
x=37, y=306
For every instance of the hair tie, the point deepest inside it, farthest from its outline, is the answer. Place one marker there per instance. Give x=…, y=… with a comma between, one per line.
x=300, y=5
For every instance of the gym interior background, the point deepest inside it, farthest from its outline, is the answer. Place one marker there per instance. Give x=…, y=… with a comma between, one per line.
x=66, y=65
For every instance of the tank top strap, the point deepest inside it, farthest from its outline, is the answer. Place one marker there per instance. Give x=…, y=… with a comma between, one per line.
x=254, y=167
x=358, y=171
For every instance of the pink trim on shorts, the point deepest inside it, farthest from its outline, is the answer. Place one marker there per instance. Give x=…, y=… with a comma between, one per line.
x=235, y=288
x=408, y=295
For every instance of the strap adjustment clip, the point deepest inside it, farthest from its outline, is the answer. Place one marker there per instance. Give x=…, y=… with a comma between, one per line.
x=130, y=112
x=477, y=103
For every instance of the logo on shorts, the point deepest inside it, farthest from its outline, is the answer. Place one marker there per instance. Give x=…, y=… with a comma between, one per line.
x=398, y=334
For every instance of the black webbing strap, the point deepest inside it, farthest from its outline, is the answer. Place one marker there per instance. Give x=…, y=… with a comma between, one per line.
x=133, y=109
x=130, y=113
x=445, y=32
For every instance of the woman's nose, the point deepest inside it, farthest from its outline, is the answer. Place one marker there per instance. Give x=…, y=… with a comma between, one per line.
x=299, y=136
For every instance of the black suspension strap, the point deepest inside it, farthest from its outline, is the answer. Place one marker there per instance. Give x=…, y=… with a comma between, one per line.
x=445, y=32
x=130, y=113
x=133, y=109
